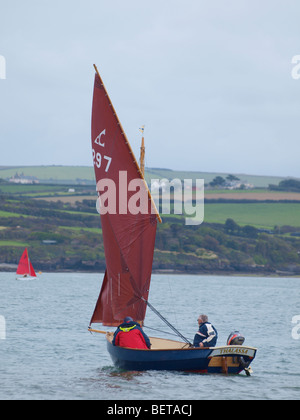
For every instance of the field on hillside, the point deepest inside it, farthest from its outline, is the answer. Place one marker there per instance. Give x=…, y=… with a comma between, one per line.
x=256, y=180
x=50, y=174
x=260, y=215
x=255, y=194
x=77, y=174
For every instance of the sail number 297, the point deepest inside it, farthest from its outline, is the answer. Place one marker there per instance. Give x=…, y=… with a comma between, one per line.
x=100, y=160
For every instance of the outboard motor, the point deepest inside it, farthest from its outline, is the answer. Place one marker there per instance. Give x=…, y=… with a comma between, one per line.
x=235, y=339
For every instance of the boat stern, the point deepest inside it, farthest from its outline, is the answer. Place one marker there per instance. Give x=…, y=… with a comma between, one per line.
x=231, y=359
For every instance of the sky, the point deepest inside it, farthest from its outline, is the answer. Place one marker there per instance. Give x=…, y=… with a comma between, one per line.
x=213, y=82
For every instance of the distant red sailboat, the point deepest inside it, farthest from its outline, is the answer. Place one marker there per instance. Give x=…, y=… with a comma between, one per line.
x=25, y=268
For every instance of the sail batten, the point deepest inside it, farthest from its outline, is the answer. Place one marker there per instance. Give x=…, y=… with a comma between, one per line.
x=128, y=238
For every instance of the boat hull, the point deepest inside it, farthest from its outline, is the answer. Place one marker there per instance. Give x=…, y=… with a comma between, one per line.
x=227, y=359
x=25, y=278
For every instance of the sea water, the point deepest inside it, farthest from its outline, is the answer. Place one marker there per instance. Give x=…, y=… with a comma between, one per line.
x=46, y=352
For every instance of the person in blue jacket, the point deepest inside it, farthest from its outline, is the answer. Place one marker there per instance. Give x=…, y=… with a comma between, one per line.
x=207, y=335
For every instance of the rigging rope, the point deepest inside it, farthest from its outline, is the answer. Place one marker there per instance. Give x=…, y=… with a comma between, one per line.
x=161, y=331
x=167, y=322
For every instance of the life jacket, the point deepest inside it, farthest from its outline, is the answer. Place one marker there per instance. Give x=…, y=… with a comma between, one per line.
x=130, y=337
x=207, y=335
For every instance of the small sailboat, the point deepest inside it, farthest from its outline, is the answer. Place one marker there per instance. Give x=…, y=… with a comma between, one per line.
x=25, y=268
x=129, y=221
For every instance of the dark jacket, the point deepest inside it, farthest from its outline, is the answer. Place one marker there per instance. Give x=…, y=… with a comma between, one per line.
x=130, y=334
x=207, y=335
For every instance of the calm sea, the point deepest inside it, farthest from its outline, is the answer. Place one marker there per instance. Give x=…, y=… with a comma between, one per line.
x=48, y=353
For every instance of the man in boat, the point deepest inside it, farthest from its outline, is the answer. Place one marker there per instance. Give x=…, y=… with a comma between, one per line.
x=207, y=335
x=130, y=334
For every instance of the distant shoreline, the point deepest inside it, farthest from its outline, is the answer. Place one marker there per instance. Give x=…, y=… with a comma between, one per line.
x=11, y=268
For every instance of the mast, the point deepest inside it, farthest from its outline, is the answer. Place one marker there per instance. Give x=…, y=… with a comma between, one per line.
x=143, y=150
x=28, y=261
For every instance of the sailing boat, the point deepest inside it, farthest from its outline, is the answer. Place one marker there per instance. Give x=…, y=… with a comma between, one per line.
x=129, y=239
x=25, y=268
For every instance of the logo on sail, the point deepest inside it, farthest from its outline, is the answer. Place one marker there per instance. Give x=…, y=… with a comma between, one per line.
x=99, y=159
x=98, y=139
x=2, y=67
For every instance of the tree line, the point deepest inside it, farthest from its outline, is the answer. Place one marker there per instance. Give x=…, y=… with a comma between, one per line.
x=77, y=244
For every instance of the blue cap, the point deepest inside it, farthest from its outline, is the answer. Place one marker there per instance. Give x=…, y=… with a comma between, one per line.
x=128, y=319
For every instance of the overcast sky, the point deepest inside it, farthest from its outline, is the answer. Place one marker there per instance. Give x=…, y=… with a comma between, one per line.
x=211, y=81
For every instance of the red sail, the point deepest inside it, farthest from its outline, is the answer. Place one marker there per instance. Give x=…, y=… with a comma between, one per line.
x=25, y=267
x=128, y=236
x=31, y=272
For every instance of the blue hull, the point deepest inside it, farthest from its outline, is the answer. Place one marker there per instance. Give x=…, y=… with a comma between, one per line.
x=218, y=360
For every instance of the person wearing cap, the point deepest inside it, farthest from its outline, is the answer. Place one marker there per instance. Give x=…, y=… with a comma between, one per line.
x=130, y=334
x=207, y=335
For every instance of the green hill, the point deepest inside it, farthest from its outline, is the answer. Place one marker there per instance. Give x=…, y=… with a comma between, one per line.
x=256, y=180
x=51, y=174
x=63, y=232
x=85, y=174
